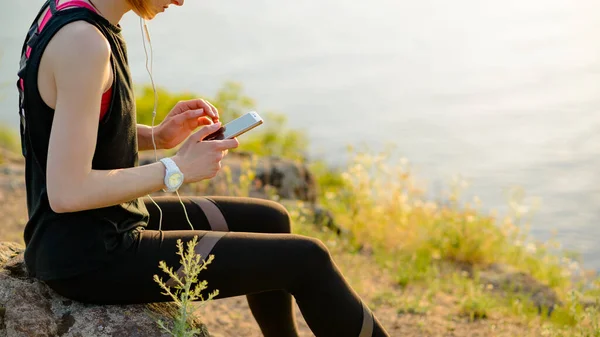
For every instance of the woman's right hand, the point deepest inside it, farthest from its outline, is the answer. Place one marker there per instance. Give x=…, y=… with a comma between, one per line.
x=198, y=159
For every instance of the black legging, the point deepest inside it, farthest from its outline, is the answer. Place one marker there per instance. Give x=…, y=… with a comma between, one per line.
x=255, y=255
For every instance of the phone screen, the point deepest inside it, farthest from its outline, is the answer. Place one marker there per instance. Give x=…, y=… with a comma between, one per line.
x=237, y=126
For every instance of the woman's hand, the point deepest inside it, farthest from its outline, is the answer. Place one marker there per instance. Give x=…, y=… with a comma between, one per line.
x=185, y=117
x=198, y=159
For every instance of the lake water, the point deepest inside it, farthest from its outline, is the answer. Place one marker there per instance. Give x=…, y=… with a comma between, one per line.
x=504, y=93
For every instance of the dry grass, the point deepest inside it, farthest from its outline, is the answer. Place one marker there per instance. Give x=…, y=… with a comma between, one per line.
x=406, y=257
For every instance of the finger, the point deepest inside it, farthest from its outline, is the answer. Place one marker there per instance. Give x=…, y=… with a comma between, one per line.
x=226, y=144
x=204, y=121
x=193, y=123
x=205, y=131
x=214, y=110
x=195, y=104
x=190, y=114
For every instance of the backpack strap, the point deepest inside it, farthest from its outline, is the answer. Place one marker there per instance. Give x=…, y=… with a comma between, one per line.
x=50, y=8
x=30, y=40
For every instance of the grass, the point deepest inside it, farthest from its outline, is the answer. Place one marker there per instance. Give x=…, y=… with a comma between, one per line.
x=440, y=247
x=9, y=140
x=423, y=242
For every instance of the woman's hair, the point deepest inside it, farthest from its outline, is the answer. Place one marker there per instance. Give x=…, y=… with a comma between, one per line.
x=141, y=8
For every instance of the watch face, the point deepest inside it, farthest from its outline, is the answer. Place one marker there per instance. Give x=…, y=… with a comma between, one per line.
x=175, y=179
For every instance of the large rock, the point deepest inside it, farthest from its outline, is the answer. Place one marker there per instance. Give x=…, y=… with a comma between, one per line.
x=288, y=179
x=30, y=308
x=291, y=179
x=506, y=278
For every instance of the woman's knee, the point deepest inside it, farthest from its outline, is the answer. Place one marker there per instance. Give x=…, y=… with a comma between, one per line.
x=312, y=264
x=274, y=217
x=254, y=215
x=315, y=253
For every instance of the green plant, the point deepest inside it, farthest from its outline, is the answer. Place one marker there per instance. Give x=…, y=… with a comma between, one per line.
x=183, y=295
x=475, y=304
x=581, y=320
x=9, y=139
x=274, y=138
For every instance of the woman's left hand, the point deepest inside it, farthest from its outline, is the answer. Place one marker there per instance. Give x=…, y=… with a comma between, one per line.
x=185, y=117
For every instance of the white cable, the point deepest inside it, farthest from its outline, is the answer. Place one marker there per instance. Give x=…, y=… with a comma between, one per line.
x=184, y=211
x=149, y=69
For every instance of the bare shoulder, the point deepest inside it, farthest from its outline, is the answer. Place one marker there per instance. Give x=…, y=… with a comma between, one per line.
x=79, y=41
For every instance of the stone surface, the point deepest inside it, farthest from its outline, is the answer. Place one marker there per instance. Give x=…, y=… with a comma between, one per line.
x=284, y=177
x=506, y=278
x=30, y=308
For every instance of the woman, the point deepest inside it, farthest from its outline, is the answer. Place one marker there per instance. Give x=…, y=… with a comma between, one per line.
x=93, y=237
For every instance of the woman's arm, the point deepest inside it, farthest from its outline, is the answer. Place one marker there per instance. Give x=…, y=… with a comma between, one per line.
x=144, y=138
x=78, y=57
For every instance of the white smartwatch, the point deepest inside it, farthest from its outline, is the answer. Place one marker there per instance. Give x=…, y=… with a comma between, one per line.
x=173, y=176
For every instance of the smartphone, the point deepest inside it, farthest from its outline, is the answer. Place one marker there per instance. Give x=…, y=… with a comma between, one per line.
x=236, y=127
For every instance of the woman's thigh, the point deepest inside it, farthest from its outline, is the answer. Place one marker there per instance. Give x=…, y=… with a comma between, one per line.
x=244, y=263
x=236, y=214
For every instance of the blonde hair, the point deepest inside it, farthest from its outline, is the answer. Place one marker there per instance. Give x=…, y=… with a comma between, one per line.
x=141, y=8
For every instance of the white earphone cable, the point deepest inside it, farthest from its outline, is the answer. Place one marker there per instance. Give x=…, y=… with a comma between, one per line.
x=149, y=69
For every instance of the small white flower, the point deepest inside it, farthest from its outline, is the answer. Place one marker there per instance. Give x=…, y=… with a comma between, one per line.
x=574, y=266
x=531, y=248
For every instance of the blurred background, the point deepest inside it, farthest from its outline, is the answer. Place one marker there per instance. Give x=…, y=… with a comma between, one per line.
x=504, y=94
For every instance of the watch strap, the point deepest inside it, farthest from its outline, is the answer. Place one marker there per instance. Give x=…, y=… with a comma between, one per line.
x=170, y=165
x=171, y=168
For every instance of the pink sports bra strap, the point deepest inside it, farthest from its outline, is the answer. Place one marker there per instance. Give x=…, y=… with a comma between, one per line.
x=45, y=20
x=75, y=3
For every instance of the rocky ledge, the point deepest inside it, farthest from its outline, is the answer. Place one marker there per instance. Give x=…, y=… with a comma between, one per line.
x=29, y=308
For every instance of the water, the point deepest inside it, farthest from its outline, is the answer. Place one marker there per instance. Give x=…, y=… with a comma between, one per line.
x=503, y=93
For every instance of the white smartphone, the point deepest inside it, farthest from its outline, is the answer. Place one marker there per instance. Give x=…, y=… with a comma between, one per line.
x=236, y=127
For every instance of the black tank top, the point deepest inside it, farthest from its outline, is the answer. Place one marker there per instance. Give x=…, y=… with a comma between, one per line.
x=60, y=245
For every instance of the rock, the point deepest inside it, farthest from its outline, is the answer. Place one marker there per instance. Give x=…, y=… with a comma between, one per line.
x=287, y=178
x=324, y=217
x=507, y=278
x=317, y=215
x=590, y=302
x=29, y=307
x=8, y=250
